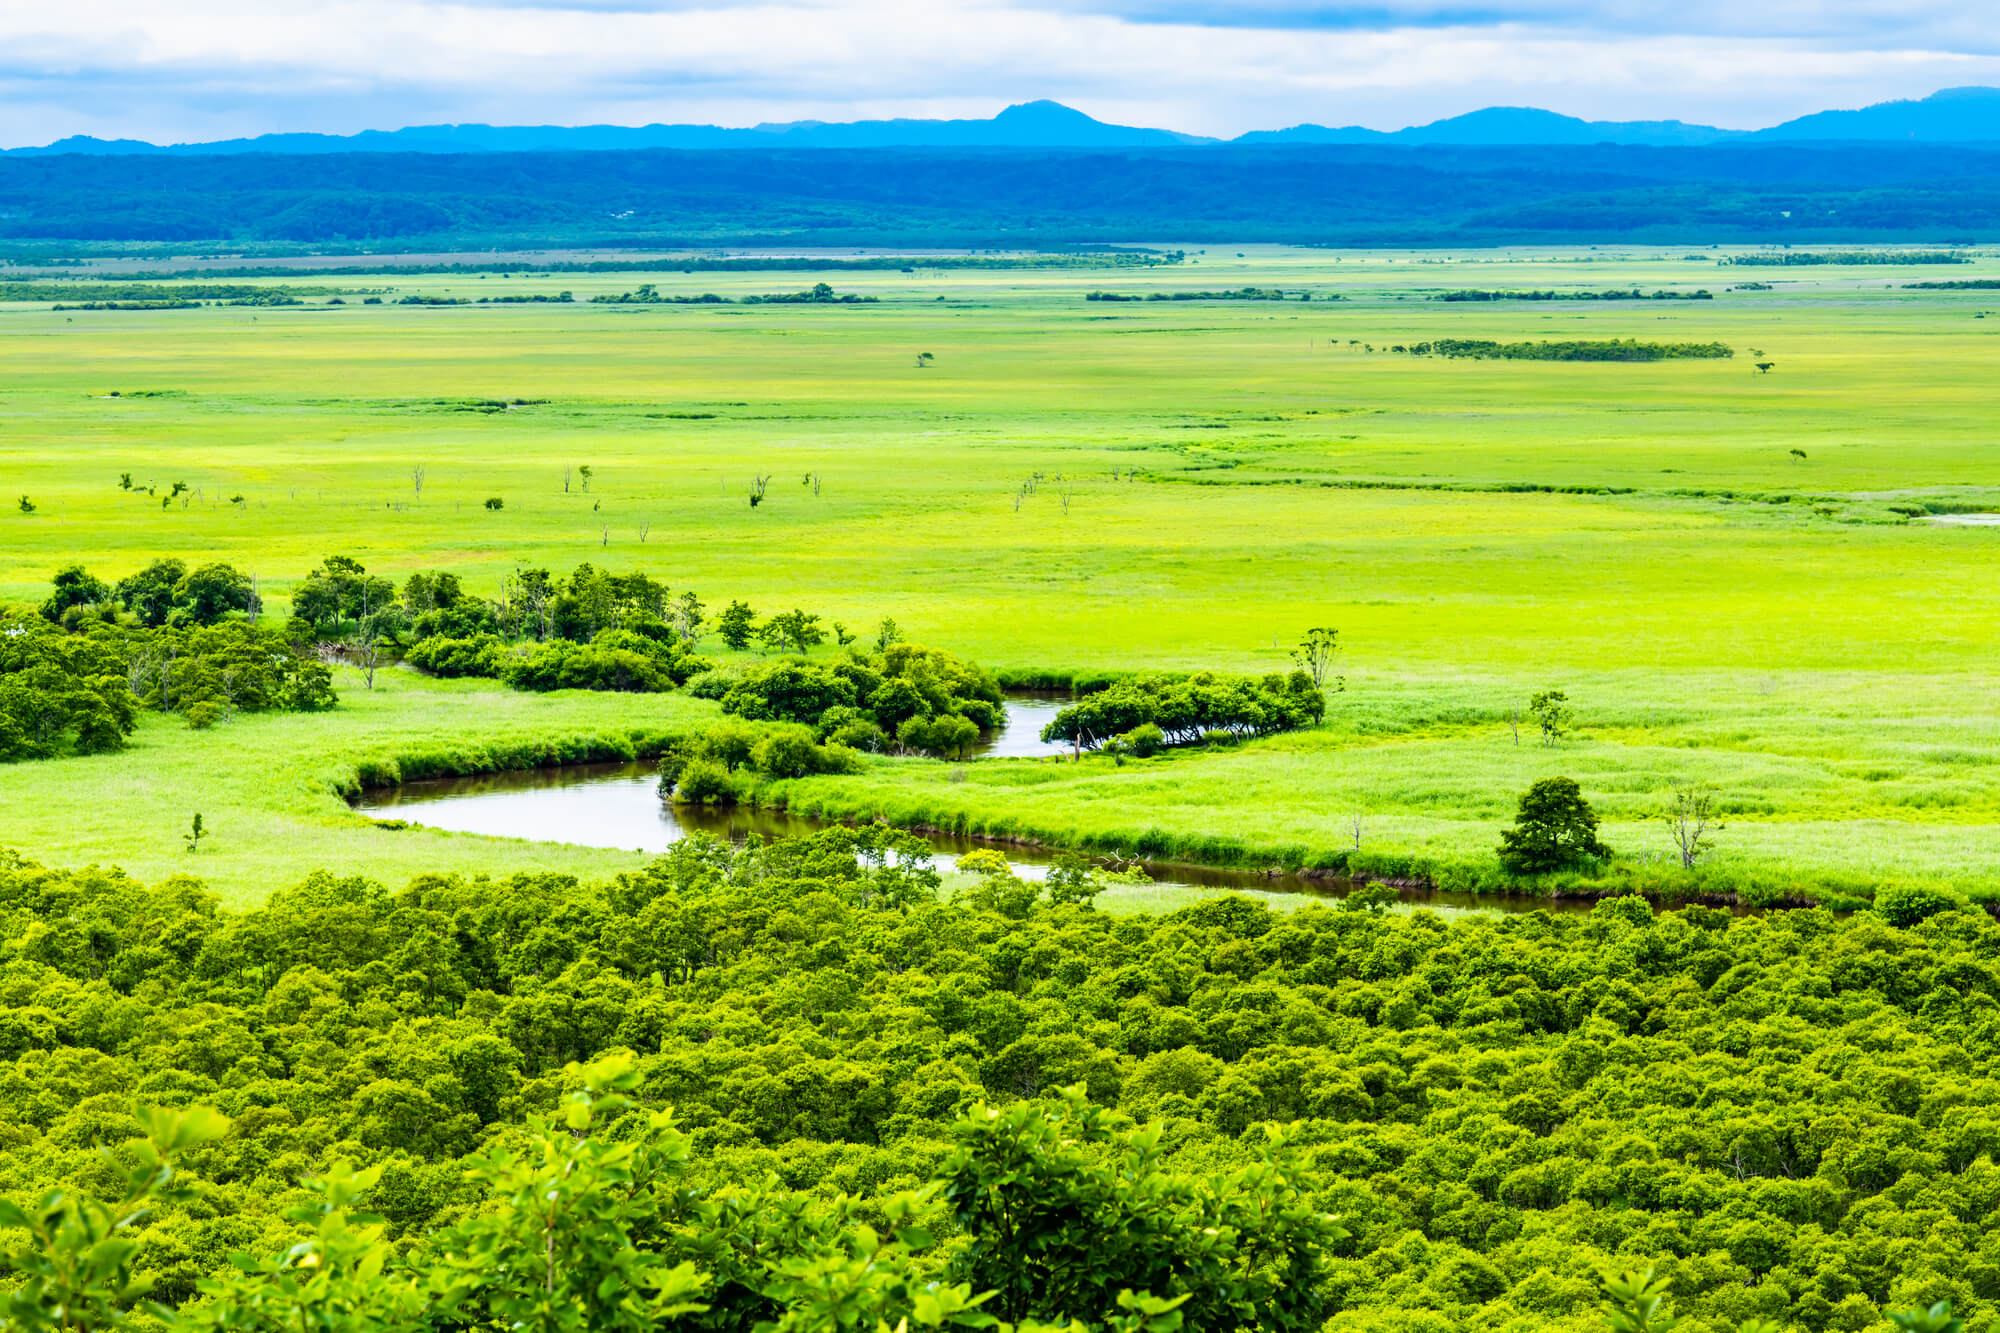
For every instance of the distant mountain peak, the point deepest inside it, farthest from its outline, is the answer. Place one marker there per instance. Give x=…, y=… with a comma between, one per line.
x=1044, y=109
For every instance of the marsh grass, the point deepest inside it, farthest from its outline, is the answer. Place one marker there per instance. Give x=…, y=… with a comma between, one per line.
x=1478, y=530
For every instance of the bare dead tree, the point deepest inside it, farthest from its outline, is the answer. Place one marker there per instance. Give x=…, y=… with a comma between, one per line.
x=644, y=528
x=1690, y=816
x=1065, y=492
x=605, y=539
x=364, y=650
x=816, y=481
x=566, y=472
x=141, y=666
x=417, y=480
x=1356, y=820
x=1514, y=724
x=757, y=486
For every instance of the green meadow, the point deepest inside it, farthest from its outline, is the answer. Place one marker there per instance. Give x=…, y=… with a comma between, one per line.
x=1719, y=566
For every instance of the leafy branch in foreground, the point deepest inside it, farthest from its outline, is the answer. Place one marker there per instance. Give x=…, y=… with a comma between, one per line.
x=77, y=1264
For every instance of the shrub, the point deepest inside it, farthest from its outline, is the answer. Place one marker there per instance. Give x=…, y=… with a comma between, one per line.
x=711, y=684
x=946, y=736
x=704, y=782
x=203, y=715
x=1904, y=905
x=479, y=655
x=1145, y=740
x=562, y=665
x=730, y=742
x=861, y=735
x=495, y=502
x=787, y=692
x=789, y=752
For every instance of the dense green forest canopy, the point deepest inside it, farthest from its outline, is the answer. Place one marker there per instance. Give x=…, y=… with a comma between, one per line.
x=1788, y=1115
x=1319, y=195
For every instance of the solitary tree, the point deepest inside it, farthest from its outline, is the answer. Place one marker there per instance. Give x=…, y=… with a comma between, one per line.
x=734, y=625
x=584, y=474
x=887, y=635
x=1690, y=814
x=1552, y=714
x=196, y=832
x=1555, y=828
x=1315, y=655
x=27, y=505
x=757, y=484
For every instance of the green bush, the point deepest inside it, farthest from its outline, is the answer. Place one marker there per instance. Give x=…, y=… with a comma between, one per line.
x=1906, y=905
x=704, y=781
x=788, y=752
x=1145, y=740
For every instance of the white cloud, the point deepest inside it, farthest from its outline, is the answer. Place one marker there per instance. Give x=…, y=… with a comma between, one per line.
x=210, y=68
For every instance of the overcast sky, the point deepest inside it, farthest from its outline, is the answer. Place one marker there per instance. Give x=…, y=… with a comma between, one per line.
x=176, y=70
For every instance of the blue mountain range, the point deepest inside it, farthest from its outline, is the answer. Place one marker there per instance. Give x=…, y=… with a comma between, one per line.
x=1955, y=115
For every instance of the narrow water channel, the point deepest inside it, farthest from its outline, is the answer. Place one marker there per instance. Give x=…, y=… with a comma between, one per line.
x=618, y=805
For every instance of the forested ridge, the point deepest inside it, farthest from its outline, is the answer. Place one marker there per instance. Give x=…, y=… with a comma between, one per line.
x=1314, y=195
x=1788, y=1115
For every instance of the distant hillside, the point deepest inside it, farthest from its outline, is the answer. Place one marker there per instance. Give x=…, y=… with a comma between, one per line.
x=1956, y=115
x=1309, y=194
x=1510, y=125
x=1029, y=125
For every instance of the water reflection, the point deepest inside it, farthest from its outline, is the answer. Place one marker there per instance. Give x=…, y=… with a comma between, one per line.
x=618, y=806
x=1019, y=735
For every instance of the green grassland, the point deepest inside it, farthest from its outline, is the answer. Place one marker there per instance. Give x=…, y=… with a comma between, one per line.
x=1641, y=535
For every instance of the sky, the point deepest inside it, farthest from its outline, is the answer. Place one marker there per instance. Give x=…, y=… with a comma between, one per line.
x=185, y=70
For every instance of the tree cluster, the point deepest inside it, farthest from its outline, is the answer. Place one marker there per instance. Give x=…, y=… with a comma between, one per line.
x=165, y=592
x=1610, y=349
x=1788, y=1116
x=593, y=630
x=1239, y=294
x=1613, y=294
x=905, y=697
x=1191, y=708
x=819, y=293
x=80, y=690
